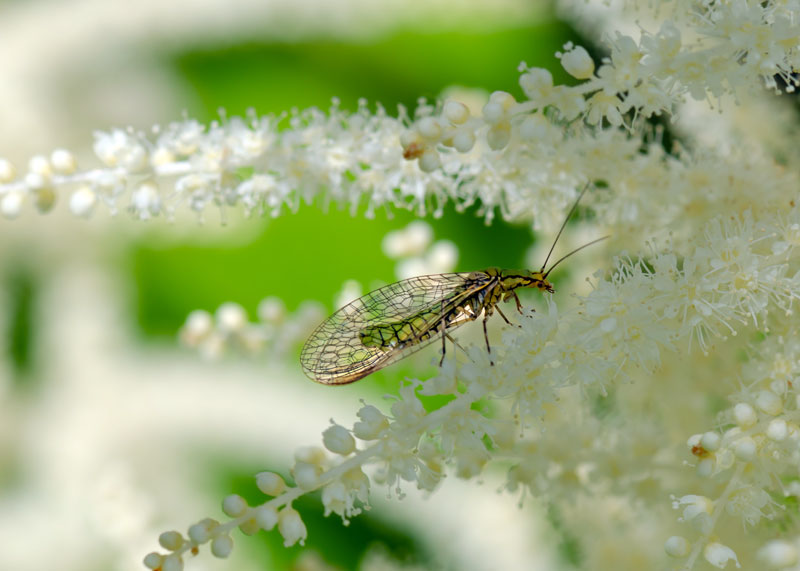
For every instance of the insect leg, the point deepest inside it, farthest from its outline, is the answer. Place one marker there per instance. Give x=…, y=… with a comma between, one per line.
x=443, y=325
x=457, y=344
x=516, y=299
x=486, y=336
x=503, y=315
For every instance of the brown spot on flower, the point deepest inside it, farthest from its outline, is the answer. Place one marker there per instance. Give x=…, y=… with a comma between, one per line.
x=413, y=151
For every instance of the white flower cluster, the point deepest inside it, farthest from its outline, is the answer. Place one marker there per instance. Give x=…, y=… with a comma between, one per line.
x=275, y=333
x=719, y=277
x=622, y=329
x=702, y=299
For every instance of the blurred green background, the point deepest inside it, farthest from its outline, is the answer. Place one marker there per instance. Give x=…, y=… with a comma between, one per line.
x=309, y=255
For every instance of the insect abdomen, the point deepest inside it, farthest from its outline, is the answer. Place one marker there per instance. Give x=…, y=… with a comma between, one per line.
x=397, y=334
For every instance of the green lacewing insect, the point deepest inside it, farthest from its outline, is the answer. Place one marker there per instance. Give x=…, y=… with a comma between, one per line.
x=401, y=318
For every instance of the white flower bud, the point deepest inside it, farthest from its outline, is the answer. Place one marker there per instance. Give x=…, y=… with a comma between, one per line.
x=779, y=554
x=498, y=136
x=578, y=63
x=710, y=441
x=769, y=403
x=266, y=517
x=503, y=98
x=429, y=128
x=415, y=238
x=777, y=430
x=745, y=448
x=201, y=531
x=442, y=256
x=310, y=455
x=35, y=181
x=693, y=440
x=744, y=415
x=82, y=202
x=153, y=560
x=231, y=317
x=719, y=555
x=39, y=165
x=676, y=546
x=45, y=199
x=7, y=171
x=63, y=161
x=291, y=527
x=338, y=440
x=493, y=113
x=270, y=483
x=408, y=138
x=250, y=526
x=271, y=310
x=11, y=204
x=463, y=140
x=221, y=546
x=170, y=540
x=234, y=505
x=198, y=324
x=172, y=563
x=429, y=161
x=161, y=156
x=455, y=112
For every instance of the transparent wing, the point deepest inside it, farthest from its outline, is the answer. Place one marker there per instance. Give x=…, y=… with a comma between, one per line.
x=336, y=353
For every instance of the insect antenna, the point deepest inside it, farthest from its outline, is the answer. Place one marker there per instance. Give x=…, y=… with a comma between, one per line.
x=576, y=250
x=564, y=225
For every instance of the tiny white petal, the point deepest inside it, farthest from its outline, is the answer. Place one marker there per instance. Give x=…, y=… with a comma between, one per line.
x=291, y=527
x=719, y=555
